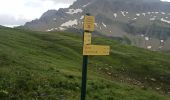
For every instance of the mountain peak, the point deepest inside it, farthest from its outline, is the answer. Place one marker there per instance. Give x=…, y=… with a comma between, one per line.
x=145, y=23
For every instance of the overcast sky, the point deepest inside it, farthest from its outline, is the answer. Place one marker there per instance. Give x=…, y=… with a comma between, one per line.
x=17, y=12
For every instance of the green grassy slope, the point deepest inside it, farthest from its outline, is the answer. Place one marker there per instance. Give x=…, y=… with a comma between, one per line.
x=47, y=66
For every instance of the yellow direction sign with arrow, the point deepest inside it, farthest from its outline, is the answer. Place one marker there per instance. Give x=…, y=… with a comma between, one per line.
x=96, y=50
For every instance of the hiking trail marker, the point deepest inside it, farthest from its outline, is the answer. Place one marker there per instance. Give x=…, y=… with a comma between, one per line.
x=89, y=50
x=87, y=38
x=89, y=23
x=96, y=50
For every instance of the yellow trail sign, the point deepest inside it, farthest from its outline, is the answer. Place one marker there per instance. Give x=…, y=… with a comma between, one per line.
x=89, y=23
x=96, y=50
x=87, y=38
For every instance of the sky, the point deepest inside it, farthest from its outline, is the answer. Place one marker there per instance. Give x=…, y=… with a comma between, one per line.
x=166, y=0
x=17, y=12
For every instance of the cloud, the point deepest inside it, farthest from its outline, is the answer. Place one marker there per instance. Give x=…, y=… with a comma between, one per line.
x=62, y=1
x=11, y=20
x=18, y=12
x=166, y=0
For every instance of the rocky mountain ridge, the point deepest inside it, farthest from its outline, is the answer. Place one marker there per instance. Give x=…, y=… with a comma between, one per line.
x=145, y=23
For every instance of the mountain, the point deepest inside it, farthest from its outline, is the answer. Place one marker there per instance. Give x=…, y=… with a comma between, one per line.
x=145, y=23
x=47, y=66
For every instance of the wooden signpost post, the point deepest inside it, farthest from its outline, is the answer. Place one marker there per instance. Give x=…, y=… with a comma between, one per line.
x=89, y=50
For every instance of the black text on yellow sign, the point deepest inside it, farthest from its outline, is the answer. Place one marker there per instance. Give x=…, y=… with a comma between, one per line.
x=87, y=38
x=89, y=23
x=96, y=50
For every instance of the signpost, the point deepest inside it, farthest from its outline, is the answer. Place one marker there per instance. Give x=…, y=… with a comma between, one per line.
x=89, y=50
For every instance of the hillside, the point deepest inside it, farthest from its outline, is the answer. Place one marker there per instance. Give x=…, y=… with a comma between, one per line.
x=47, y=66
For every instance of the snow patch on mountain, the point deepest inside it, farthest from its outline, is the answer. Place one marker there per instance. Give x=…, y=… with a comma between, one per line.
x=152, y=19
x=160, y=47
x=143, y=14
x=123, y=13
x=103, y=24
x=81, y=17
x=86, y=5
x=147, y=38
x=142, y=35
x=96, y=24
x=52, y=29
x=163, y=13
x=48, y=30
x=149, y=47
x=61, y=28
x=137, y=14
x=162, y=40
x=164, y=20
x=74, y=11
x=70, y=23
x=149, y=13
x=134, y=19
x=54, y=19
x=115, y=15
